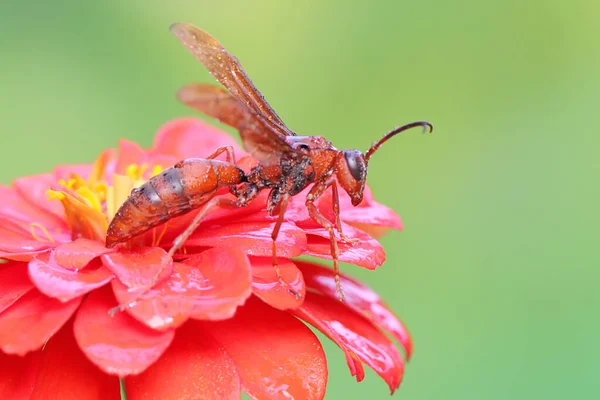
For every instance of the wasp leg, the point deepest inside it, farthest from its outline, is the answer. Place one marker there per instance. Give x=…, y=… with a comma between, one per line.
x=216, y=202
x=317, y=190
x=336, y=211
x=223, y=149
x=282, y=206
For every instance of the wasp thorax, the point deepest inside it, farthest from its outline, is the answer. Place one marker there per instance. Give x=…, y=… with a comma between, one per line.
x=352, y=174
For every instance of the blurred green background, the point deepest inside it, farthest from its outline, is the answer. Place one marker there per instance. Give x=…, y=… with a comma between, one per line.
x=496, y=273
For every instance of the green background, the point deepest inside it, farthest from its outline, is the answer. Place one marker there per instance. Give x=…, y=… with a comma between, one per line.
x=496, y=273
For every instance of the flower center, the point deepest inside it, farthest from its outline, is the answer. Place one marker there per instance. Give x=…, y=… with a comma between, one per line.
x=91, y=204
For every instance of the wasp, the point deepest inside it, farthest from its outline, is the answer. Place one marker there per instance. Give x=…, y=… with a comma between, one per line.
x=287, y=163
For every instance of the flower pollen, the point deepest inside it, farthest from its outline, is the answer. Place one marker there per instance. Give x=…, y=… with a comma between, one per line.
x=91, y=204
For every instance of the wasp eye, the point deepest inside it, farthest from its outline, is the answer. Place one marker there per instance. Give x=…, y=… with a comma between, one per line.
x=356, y=164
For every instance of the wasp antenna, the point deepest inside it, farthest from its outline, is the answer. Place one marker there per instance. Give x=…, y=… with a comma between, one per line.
x=426, y=127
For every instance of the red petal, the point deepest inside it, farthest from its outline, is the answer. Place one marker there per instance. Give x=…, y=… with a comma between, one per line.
x=67, y=170
x=119, y=345
x=360, y=298
x=77, y=254
x=33, y=188
x=129, y=153
x=30, y=321
x=18, y=375
x=368, y=212
x=209, y=286
x=357, y=336
x=253, y=238
x=276, y=355
x=366, y=253
x=268, y=288
x=65, y=373
x=132, y=153
x=55, y=281
x=14, y=207
x=14, y=283
x=195, y=366
x=138, y=269
x=190, y=137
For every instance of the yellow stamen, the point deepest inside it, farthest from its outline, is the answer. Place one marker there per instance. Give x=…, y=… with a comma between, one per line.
x=100, y=189
x=156, y=170
x=132, y=171
x=33, y=226
x=90, y=205
x=90, y=197
x=54, y=195
x=98, y=168
x=117, y=194
x=76, y=181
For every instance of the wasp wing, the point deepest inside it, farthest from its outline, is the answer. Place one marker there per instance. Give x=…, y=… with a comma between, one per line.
x=259, y=137
x=228, y=70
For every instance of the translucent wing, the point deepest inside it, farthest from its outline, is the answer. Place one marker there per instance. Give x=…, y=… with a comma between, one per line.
x=259, y=137
x=227, y=69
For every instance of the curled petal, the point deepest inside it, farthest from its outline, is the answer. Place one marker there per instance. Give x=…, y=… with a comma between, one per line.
x=276, y=355
x=210, y=285
x=269, y=289
x=190, y=137
x=14, y=283
x=23, y=256
x=356, y=336
x=18, y=375
x=63, y=284
x=194, y=363
x=360, y=298
x=366, y=253
x=65, y=373
x=14, y=239
x=139, y=269
x=77, y=254
x=118, y=345
x=32, y=320
x=253, y=238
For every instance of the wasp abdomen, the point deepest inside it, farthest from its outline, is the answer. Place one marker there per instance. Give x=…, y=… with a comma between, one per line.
x=175, y=191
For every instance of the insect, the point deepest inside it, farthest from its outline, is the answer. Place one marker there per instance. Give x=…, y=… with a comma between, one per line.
x=287, y=163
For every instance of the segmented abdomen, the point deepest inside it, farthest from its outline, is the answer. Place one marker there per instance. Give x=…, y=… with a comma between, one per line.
x=175, y=191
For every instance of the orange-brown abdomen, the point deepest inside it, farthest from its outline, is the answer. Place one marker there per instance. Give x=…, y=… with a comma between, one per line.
x=175, y=191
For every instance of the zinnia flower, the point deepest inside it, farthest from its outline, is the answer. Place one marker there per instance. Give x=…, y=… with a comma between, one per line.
x=209, y=324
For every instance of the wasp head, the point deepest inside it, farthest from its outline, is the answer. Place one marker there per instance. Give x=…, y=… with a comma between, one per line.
x=351, y=171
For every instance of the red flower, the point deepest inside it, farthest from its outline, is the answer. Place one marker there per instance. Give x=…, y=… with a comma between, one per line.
x=212, y=323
